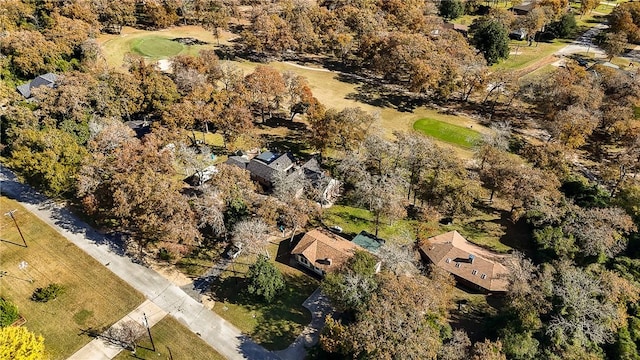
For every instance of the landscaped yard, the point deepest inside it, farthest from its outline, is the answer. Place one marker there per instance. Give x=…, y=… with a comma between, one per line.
x=94, y=296
x=172, y=340
x=352, y=220
x=447, y=132
x=275, y=326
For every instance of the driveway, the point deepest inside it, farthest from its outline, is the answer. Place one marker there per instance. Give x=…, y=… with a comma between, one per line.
x=217, y=332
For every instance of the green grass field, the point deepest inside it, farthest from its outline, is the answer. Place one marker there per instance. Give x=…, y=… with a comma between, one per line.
x=156, y=47
x=274, y=325
x=94, y=296
x=172, y=340
x=352, y=220
x=447, y=132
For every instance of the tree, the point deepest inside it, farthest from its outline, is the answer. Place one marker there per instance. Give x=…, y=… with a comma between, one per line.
x=488, y=350
x=599, y=231
x=208, y=207
x=30, y=53
x=581, y=314
x=115, y=14
x=403, y=316
x=265, y=87
x=265, y=280
x=16, y=342
x=125, y=334
x=626, y=18
x=491, y=38
x=49, y=159
x=451, y=9
x=457, y=348
x=252, y=235
x=351, y=287
x=345, y=129
x=614, y=43
x=586, y=6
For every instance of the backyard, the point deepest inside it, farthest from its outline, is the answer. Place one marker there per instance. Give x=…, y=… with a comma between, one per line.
x=276, y=325
x=454, y=134
x=94, y=297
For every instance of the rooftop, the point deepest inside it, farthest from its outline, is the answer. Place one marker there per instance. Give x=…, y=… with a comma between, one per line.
x=368, y=241
x=452, y=252
x=325, y=250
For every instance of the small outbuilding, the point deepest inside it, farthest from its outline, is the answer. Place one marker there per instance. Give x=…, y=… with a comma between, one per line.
x=48, y=80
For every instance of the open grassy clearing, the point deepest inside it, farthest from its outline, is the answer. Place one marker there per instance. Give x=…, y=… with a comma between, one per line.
x=94, y=296
x=450, y=133
x=153, y=43
x=274, y=325
x=172, y=340
x=523, y=56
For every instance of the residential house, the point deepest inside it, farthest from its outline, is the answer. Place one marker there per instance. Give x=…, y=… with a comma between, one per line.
x=523, y=8
x=470, y=264
x=327, y=188
x=48, y=80
x=322, y=251
x=264, y=167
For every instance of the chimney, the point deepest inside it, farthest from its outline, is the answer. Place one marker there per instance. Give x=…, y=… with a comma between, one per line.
x=471, y=257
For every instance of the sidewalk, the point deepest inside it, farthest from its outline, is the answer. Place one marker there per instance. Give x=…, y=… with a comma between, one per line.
x=99, y=349
x=217, y=332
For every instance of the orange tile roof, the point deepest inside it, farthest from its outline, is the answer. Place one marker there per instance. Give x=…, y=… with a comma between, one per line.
x=321, y=244
x=450, y=251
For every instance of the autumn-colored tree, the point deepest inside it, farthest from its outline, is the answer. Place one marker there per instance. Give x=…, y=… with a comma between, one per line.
x=18, y=343
x=158, y=89
x=345, y=129
x=30, y=53
x=626, y=19
x=265, y=87
x=48, y=159
x=115, y=14
x=67, y=34
x=614, y=43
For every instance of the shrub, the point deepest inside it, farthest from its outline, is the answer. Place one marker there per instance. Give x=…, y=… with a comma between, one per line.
x=50, y=292
x=8, y=313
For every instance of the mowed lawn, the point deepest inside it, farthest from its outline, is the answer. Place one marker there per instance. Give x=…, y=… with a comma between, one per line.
x=276, y=325
x=156, y=47
x=448, y=132
x=172, y=340
x=94, y=296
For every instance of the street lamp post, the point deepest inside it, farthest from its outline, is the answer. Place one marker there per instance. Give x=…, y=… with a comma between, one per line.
x=10, y=214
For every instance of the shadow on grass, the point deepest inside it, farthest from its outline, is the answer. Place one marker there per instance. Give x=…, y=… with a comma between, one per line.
x=277, y=323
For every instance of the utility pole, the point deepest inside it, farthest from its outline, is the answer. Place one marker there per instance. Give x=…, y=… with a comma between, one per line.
x=146, y=323
x=10, y=214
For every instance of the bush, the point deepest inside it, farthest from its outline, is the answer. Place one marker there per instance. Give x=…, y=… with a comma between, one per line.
x=50, y=292
x=8, y=313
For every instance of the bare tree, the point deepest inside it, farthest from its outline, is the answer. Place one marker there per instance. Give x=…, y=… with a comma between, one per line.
x=125, y=334
x=252, y=235
x=457, y=348
x=398, y=259
x=209, y=211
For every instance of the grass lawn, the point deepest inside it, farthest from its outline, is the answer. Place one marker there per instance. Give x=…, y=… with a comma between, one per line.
x=491, y=229
x=636, y=111
x=274, y=326
x=528, y=55
x=450, y=133
x=156, y=47
x=174, y=340
x=94, y=296
x=352, y=220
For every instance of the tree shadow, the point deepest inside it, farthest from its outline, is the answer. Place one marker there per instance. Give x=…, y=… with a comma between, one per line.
x=13, y=243
x=386, y=96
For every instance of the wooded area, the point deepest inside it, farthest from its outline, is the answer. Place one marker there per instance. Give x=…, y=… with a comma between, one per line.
x=560, y=158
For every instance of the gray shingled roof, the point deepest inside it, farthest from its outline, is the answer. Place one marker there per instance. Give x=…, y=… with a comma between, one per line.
x=48, y=79
x=239, y=161
x=263, y=170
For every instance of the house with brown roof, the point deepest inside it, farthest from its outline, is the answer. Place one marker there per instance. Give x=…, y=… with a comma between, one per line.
x=470, y=264
x=322, y=251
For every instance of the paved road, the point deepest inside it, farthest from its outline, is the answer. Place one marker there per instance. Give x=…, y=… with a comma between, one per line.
x=584, y=43
x=217, y=332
